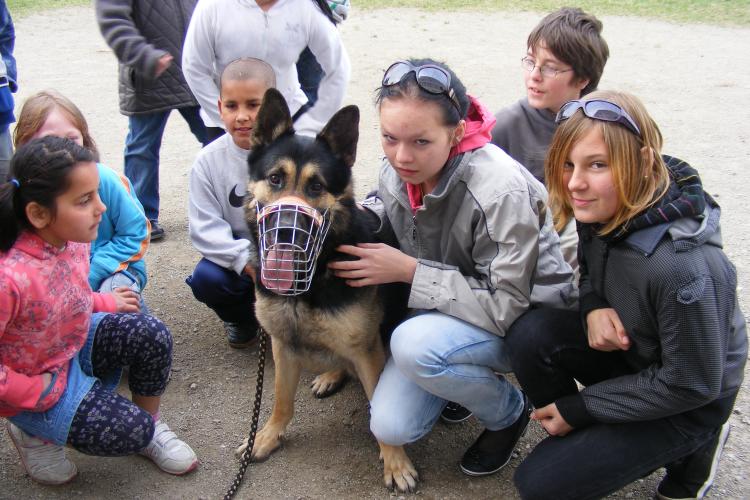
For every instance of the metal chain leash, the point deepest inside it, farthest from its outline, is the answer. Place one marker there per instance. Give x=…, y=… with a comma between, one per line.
x=245, y=460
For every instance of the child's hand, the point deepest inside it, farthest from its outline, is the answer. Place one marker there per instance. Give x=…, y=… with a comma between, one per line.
x=163, y=63
x=605, y=330
x=127, y=300
x=378, y=263
x=549, y=417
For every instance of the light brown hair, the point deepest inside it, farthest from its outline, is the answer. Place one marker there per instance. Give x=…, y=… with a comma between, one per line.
x=35, y=110
x=575, y=38
x=638, y=171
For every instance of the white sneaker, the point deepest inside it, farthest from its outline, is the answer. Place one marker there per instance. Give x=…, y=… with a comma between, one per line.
x=45, y=463
x=169, y=453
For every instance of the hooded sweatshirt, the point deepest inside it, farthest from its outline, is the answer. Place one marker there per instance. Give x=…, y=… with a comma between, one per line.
x=525, y=133
x=665, y=274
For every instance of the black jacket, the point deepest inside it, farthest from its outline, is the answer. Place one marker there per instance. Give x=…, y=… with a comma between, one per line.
x=675, y=291
x=140, y=32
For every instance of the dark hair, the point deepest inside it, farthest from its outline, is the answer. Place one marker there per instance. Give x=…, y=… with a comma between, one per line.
x=323, y=6
x=408, y=87
x=39, y=172
x=575, y=38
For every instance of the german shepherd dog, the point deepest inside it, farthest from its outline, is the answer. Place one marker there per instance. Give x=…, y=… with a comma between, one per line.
x=300, y=199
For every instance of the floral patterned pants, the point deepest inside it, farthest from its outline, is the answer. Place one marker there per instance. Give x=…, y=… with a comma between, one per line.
x=106, y=423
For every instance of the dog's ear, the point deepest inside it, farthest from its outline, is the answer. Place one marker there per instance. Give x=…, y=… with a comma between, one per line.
x=273, y=119
x=341, y=133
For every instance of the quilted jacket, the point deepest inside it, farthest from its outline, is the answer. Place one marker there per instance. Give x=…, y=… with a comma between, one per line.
x=140, y=32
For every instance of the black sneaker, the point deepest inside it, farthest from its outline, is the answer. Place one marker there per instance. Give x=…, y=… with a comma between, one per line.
x=454, y=413
x=241, y=335
x=493, y=449
x=692, y=476
x=157, y=232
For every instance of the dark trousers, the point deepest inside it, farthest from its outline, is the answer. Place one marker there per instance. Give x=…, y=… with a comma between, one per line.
x=231, y=296
x=106, y=423
x=309, y=74
x=549, y=351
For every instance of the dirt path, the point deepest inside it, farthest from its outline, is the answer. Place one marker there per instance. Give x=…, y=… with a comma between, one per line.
x=693, y=79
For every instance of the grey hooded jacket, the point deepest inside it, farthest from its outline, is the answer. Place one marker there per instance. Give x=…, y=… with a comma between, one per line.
x=484, y=239
x=140, y=32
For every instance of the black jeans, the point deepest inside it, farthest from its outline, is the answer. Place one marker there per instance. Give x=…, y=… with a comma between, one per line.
x=549, y=351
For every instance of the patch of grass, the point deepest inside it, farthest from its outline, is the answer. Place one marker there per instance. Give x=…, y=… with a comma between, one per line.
x=722, y=12
x=20, y=8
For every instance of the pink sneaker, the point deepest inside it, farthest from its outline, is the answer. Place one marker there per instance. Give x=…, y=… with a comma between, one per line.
x=168, y=452
x=44, y=462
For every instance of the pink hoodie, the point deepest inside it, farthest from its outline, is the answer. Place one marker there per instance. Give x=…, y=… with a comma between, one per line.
x=45, y=310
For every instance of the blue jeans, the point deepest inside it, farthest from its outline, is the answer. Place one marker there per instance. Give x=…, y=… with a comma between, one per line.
x=123, y=279
x=436, y=358
x=142, y=146
x=231, y=296
x=549, y=352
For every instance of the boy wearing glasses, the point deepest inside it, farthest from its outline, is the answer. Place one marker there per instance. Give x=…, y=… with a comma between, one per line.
x=564, y=60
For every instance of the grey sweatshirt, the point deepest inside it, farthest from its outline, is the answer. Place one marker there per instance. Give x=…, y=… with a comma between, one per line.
x=216, y=218
x=525, y=134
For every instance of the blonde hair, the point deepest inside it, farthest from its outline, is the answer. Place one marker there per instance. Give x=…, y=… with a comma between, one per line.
x=638, y=172
x=37, y=108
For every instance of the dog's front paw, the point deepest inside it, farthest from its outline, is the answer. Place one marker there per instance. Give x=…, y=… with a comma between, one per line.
x=398, y=471
x=328, y=383
x=266, y=442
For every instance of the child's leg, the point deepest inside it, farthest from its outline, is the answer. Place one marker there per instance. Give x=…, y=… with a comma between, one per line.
x=457, y=361
x=232, y=298
x=145, y=345
x=549, y=351
x=140, y=342
x=107, y=424
x=597, y=460
x=193, y=118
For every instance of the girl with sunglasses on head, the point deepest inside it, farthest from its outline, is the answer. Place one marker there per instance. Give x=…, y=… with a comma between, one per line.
x=660, y=342
x=474, y=241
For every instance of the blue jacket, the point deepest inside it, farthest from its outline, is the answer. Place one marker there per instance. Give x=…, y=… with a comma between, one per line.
x=123, y=233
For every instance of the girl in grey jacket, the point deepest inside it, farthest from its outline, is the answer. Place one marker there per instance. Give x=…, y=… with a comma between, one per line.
x=475, y=241
x=660, y=343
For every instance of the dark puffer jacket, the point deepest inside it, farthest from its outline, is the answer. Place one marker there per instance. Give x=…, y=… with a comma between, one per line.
x=140, y=32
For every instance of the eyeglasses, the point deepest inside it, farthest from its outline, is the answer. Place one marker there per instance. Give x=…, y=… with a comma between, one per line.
x=529, y=64
x=599, y=109
x=430, y=78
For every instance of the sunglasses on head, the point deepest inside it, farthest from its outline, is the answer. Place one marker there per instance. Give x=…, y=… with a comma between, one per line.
x=430, y=78
x=599, y=109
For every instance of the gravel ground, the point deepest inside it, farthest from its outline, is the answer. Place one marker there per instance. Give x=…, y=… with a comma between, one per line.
x=694, y=82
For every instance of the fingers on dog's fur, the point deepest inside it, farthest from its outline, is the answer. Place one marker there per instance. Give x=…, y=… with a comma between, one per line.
x=328, y=383
x=398, y=471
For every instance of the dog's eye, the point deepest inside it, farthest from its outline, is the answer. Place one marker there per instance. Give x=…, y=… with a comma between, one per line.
x=274, y=179
x=315, y=187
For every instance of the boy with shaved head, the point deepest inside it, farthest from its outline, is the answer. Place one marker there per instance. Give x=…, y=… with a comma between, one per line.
x=218, y=180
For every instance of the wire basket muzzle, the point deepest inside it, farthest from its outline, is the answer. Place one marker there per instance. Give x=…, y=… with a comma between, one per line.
x=291, y=235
